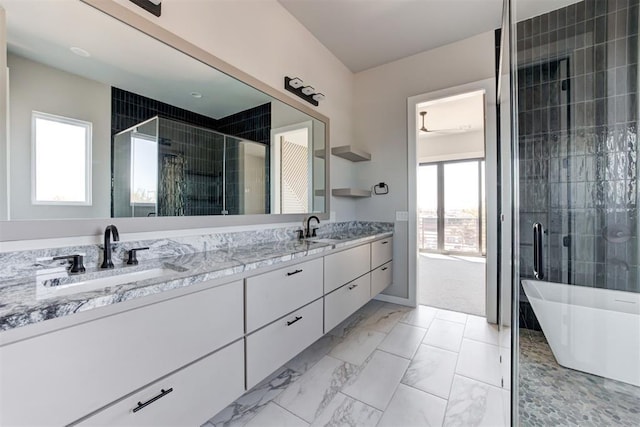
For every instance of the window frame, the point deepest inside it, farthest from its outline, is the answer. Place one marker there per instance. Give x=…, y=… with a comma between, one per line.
x=132, y=158
x=88, y=142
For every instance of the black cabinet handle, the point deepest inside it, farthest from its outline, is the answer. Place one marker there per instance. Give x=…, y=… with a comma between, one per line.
x=294, y=320
x=384, y=268
x=162, y=394
x=291, y=273
x=384, y=243
x=538, y=231
x=352, y=287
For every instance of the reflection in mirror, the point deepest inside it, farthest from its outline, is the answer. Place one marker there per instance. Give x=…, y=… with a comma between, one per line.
x=171, y=136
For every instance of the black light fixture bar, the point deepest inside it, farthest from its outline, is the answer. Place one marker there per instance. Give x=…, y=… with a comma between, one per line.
x=298, y=91
x=149, y=6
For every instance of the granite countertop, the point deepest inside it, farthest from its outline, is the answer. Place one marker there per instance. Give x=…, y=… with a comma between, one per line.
x=28, y=300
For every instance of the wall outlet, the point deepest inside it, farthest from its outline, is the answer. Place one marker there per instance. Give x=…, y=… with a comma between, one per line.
x=402, y=216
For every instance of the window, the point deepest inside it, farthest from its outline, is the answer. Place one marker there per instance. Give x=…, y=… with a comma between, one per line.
x=61, y=160
x=144, y=170
x=451, y=207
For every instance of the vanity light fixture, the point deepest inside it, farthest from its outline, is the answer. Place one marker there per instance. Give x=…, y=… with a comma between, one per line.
x=152, y=6
x=296, y=85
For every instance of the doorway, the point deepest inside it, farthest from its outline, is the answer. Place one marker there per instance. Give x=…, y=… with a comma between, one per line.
x=451, y=204
x=454, y=176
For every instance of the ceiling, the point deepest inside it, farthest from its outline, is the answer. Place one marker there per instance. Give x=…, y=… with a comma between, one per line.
x=454, y=115
x=367, y=33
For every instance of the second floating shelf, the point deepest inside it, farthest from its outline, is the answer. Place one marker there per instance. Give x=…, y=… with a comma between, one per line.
x=350, y=192
x=351, y=153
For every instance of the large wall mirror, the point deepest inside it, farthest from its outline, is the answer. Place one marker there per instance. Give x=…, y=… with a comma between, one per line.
x=105, y=121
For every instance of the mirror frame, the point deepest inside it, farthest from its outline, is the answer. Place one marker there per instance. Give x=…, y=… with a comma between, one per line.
x=61, y=228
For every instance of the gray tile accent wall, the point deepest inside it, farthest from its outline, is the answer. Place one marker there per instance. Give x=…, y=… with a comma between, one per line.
x=578, y=132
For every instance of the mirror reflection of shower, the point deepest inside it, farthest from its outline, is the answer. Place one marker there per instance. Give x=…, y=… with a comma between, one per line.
x=164, y=167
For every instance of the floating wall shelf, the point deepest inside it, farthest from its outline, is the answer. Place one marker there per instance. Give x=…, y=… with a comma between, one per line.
x=350, y=192
x=351, y=153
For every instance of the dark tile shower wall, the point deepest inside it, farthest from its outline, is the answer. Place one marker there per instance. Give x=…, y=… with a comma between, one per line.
x=577, y=118
x=202, y=150
x=128, y=109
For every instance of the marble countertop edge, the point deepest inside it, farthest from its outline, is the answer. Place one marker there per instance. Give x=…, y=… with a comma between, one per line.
x=19, y=305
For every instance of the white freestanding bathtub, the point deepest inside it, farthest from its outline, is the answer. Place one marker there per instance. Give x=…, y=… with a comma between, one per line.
x=590, y=329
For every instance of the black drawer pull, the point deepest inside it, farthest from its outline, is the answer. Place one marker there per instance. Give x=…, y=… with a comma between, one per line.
x=384, y=268
x=384, y=243
x=294, y=320
x=291, y=273
x=352, y=287
x=162, y=394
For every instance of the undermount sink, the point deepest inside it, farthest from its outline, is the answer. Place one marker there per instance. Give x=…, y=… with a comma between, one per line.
x=44, y=291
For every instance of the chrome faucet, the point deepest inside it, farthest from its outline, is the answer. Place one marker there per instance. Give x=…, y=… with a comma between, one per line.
x=106, y=256
x=308, y=231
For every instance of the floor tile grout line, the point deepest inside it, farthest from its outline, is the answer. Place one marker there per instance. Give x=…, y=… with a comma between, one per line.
x=426, y=392
x=477, y=380
x=285, y=409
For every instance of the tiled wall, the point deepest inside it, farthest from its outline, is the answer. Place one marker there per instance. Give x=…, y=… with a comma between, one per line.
x=202, y=150
x=577, y=118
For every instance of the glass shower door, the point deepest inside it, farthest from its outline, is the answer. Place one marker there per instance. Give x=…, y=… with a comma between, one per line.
x=577, y=290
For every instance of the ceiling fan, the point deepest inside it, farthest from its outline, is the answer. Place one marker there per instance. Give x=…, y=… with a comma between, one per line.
x=452, y=130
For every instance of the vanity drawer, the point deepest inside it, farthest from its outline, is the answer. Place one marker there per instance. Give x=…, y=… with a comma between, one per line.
x=274, y=294
x=60, y=377
x=345, y=266
x=381, y=252
x=340, y=304
x=188, y=397
x=381, y=277
x=270, y=347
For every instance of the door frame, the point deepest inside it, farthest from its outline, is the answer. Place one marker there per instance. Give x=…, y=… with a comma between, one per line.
x=491, y=186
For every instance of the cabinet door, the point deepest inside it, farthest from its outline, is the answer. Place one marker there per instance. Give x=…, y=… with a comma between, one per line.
x=340, y=304
x=345, y=266
x=272, y=346
x=186, y=398
x=274, y=294
x=381, y=252
x=56, y=378
x=381, y=277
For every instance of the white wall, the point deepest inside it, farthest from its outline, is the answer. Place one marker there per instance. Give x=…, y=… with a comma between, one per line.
x=264, y=40
x=438, y=148
x=37, y=87
x=4, y=160
x=380, y=126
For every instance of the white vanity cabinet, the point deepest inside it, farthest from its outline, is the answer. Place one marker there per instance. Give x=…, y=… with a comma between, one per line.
x=381, y=277
x=276, y=293
x=381, y=252
x=272, y=346
x=345, y=266
x=341, y=303
x=186, y=398
x=59, y=377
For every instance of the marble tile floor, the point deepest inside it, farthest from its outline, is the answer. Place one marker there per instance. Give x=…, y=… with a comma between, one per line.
x=553, y=395
x=386, y=365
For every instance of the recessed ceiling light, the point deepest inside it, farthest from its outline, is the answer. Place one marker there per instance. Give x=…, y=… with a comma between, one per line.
x=196, y=94
x=80, y=52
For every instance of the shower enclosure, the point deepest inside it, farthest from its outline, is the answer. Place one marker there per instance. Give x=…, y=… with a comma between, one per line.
x=163, y=167
x=575, y=152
